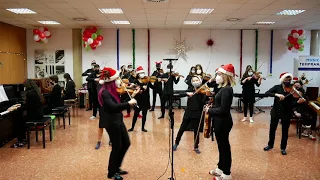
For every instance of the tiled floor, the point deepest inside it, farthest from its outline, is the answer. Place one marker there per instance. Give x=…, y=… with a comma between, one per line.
x=72, y=155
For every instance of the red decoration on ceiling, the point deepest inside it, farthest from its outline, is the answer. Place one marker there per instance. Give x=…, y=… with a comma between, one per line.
x=210, y=42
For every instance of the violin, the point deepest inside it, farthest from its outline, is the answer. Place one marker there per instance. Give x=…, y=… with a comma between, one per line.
x=257, y=75
x=207, y=77
x=294, y=92
x=207, y=122
x=176, y=74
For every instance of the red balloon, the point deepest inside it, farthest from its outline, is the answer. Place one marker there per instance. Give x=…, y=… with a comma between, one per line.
x=93, y=48
x=45, y=29
x=94, y=30
x=92, y=45
x=289, y=48
x=49, y=36
x=84, y=45
x=297, y=46
x=293, y=31
x=42, y=35
x=95, y=42
x=85, y=39
x=300, y=32
x=290, y=38
x=294, y=41
x=36, y=31
x=99, y=38
x=89, y=34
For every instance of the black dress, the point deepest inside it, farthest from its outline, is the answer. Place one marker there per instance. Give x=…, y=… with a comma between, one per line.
x=248, y=90
x=70, y=92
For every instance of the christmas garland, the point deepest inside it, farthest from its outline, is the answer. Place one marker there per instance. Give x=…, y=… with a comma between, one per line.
x=241, y=43
x=133, y=48
x=118, y=63
x=271, y=53
x=148, y=52
x=256, y=53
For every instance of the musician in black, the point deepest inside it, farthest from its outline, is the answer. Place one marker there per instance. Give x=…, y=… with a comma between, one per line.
x=123, y=71
x=193, y=113
x=130, y=75
x=304, y=111
x=70, y=89
x=222, y=120
x=248, y=81
x=143, y=99
x=55, y=99
x=189, y=77
x=89, y=84
x=281, y=109
x=93, y=78
x=157, y=85
x=168, y=88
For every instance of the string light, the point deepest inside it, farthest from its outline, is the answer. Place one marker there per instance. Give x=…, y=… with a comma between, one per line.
x=19, y=54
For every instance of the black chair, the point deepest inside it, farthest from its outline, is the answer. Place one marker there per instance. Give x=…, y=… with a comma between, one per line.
x=39, y=125
x=60, y=112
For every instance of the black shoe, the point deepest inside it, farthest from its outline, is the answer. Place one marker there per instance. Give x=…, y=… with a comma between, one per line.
x=267, y=148
x=122, y=172
x=144, y=130
x=161, y=117
x=98, y=145
x=129, y=130
x=115, y=176
x=283, y=152
x=174, y=147
x=152, y=109
x=89, y=109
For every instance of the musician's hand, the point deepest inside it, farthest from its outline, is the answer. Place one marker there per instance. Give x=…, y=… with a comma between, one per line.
x=249, y=78
x=301, y=100
x=190, y=94
x=206, y=109
x=132, y=102
x=135, y=92
x=159, y=79
x=144, y=87
x=165, y=80
x=208, y=93
x=97, y=79
x=280, y=96
x=297, y=114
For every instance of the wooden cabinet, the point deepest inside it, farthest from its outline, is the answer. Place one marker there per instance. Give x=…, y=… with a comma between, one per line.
x=13, y=67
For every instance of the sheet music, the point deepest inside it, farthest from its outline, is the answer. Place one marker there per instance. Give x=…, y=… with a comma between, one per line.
x=3, y=95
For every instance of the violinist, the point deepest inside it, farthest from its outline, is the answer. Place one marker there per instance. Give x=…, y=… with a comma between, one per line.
x=143, y=99
x=168, y=87
x=112, y=121
x=281, y=109
x=248, y=81
x=123, y=71
x=189, y=77
x=87, y=73
x=93, y=79
x=199, y=70
x=157, y=85
x=193, y=113
x=303, y=111
x=130, y=76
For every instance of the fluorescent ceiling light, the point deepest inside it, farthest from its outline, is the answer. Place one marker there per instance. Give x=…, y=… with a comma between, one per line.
x=290, y=12
x=48, y=22
x=111, y=10
x=22, y=11
x=120, y=22
x=200, y=11
x=192, y=22
x=263, y=23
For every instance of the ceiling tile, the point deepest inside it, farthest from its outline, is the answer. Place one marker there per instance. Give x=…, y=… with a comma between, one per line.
x=156, y=5
x=59, y=5
x=82, y=4
x=105, y=4
x=253, y=6
x=233, y=1
x=242, y=13
x=267, y=11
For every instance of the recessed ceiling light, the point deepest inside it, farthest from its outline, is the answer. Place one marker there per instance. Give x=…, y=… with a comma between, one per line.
x=111, y=10
x=22, y=11
x=233, y=19
x=120, y=22
x=200, y=11
x=192, y=22
x=156, y=1
x=290, y=12
x=263, y=23
x=48, y=22
x=79, y=19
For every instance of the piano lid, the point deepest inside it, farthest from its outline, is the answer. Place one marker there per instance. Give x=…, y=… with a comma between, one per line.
x=3, y=94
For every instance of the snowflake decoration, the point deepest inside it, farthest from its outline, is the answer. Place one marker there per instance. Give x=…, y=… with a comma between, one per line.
x=181, y=48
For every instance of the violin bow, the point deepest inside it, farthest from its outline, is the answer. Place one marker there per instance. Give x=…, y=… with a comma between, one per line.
x=125, y=88
x=207, y=67
x=197, y=136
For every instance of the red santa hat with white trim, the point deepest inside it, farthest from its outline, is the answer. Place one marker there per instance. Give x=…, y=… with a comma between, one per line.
x=93, y=62
x=284, y=76
x=227, y=69
x=139, y=70
x=108, y=74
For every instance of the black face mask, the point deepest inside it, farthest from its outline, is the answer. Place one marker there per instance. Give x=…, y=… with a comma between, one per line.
x=287, y=83
x=97, y=71
x=51, y=83
x=158, y=68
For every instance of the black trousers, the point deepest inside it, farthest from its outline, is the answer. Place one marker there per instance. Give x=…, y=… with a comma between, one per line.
x=285, y=122
x=248, y=103
x=90, y=98
x=222, y=128
x=154, y=97
x=95, y=104
x=309, y=118
x=124, y=98
x=184, y=126
x=164, y=99
x=119, y=137
x=136, y=114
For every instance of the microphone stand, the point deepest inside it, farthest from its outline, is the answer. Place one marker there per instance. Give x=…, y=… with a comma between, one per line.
x=171, y=116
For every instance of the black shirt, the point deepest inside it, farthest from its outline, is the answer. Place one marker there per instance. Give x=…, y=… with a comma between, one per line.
x=55, y=97
x=188, y=82
x=143, y=98
x=248, y=89
x=283, y=107
x=168, y=86
x=157, y=85
x=70, y=92
x=33, y=105
x=195, y=105
x=91, y=78
x=87, y=73
x=223, y=102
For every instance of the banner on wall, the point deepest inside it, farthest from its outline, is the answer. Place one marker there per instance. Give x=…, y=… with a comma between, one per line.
x=49, y=63
x=310, y=66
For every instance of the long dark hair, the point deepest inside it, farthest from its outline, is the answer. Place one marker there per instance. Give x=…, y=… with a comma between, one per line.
x=30, y=85
x=192, y=67
x=199, y=65
x=248, y=68
x=67, y=77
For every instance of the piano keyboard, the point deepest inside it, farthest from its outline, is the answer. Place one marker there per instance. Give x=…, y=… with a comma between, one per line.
x=315, y=106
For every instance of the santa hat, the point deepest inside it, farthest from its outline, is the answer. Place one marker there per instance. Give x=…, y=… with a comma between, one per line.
x=130, y=64
x=227, y=69
x=93, y=62
x=114, y=74
x=295, y=78
x=158, y=64
x=139, y=70
x=200, y=79
x=284, y=75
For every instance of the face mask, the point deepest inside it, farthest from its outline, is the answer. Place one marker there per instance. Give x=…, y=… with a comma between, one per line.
x=193, y=71
x=158, y=68
x=219, y=79
x=250, y=73
x=97, y=71
x=287, y=83
x=142, y=75
x=129, y=69
x=196, y=84
x=199, y=71
x=92, y=67
x=118, y=83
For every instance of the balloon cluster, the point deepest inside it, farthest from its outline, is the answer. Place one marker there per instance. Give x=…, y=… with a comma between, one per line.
x=91, y=38
x=41, y=35
x=210, y=42
x=295, y=40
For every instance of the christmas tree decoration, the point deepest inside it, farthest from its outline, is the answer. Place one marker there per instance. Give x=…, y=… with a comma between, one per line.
x=41, y=35
x=295, y=40
x=92, y=38
x=181, y=48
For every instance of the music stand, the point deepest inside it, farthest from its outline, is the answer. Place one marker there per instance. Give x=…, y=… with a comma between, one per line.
x=171, y=116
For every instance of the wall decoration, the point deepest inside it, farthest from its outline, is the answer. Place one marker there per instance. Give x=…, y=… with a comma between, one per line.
x=241, y=47
x=133, y=48
x=210, y=42
x=271, y=53
x=118, y=51
x=181, y=49
x=41, y=35
x=256, y=53
x=49, y=63
x=92, y=38
x=148, y=52
x=295, y=40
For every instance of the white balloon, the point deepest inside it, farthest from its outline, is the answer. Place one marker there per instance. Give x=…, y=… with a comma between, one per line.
x=47, y=33
x=41, y=29
x=99, y=43
x=302, y=37
x=45, y=41
x=36, y=37
x=295, y=35
x=90, y=41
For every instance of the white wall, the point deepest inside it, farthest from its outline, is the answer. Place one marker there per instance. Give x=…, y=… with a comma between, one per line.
x=61, y=39
x=226, y=50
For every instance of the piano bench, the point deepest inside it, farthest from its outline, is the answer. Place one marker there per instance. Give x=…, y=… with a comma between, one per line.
x=73, y=103
x=60, y=112
x=39, y=125
x=299, y=125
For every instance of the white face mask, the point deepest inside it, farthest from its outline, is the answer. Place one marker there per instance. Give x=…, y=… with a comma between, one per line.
x=129, y=69
x=196, y=84
x=142, y=75
x=193, y=71
x=219, y=79
x=118, y=83
x=250, y=73
x=199, y=71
